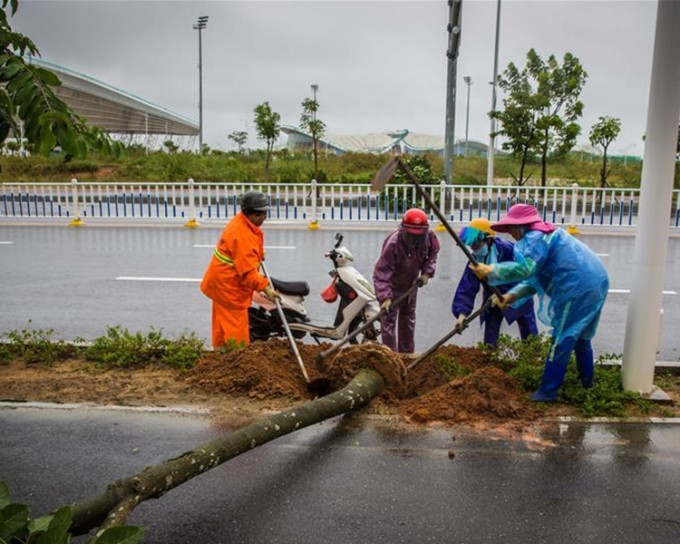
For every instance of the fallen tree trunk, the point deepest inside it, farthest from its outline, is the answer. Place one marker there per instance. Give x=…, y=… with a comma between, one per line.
x=113, y=506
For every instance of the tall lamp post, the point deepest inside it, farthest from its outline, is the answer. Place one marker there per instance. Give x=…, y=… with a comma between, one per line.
x=468, y=82
x=492, y=138
x=200, y=25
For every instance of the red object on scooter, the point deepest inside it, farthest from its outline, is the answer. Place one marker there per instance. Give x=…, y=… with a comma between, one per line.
x=330, y=293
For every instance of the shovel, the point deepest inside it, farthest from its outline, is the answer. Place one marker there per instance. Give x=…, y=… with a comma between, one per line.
x=456, y=330
x=321, y=385
x=384, y=175
x=335, y=347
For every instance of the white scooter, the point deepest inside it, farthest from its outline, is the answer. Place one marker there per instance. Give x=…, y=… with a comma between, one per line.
x=356, y=304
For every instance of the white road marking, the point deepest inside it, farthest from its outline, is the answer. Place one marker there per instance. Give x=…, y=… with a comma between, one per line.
x=602, y=254
x=266, y=247
x=148, y=278
x=6, y=243
x=626, y=291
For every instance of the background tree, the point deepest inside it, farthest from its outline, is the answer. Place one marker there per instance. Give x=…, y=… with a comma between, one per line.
x=239, y=137
x=268, y=130
x=541, y=109
x=518, y=120
x=558, y=88
x=314, y=127
x=603, y=133
x=171, y=146
x=26, y=96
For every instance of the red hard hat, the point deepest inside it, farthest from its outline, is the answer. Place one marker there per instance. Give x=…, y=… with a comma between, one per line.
x=415, y=221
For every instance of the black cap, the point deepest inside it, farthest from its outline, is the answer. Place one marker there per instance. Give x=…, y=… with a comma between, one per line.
x=254, y=201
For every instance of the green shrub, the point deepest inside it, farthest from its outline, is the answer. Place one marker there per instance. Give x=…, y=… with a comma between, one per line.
x=525, y=361
x=522, y=359
x=451, y=368
x=121, y=348
x=36, y=346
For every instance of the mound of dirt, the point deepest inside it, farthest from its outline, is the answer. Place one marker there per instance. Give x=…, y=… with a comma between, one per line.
x=263, y=370
x=487, y=392
x=267, y=370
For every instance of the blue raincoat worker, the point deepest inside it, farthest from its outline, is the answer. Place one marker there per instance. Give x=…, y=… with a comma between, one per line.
x=572, y=286
x=409, y=255
x=488, y=249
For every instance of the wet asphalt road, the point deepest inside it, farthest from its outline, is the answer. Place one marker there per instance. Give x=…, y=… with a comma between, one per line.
x=353, y=480
x=348, y=480
x=64, y=279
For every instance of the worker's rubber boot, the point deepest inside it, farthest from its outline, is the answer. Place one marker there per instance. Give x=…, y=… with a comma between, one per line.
x=553, y=373
x=584, y=362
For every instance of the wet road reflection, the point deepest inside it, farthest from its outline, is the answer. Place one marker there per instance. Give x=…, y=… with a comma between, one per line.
x=360, y=479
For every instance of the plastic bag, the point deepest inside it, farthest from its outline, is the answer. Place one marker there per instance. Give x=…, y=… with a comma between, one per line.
x=330, y=293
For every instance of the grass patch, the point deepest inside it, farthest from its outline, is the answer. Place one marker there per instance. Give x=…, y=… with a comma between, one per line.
x=120, y=348
x=452, y=369
x=36, y=346
x=525, y=361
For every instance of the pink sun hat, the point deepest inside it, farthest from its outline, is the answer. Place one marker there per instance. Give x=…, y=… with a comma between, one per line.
x=523, y=214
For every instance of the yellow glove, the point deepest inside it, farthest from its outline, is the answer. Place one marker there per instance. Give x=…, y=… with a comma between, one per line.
x=270, y=293
x=386, y=304
x=481, y=270
x=503, y=302
x=423, y=279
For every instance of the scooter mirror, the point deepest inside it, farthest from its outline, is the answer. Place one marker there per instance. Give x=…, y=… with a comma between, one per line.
x=338, y=239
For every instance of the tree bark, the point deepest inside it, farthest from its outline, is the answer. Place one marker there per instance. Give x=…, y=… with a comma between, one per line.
x=114, y=505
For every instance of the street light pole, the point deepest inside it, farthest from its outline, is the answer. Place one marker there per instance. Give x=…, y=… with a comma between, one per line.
x=453, y=28
x=468, y=82
x=492, y=138
x=200, y=25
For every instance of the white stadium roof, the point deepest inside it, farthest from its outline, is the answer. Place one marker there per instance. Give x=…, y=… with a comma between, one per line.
x=381, y=142
x=113, y=109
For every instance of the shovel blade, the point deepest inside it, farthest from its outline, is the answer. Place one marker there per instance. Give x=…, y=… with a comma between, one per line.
x=385, y=174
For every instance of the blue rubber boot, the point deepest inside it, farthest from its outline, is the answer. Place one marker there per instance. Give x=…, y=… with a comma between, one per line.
x=554, y=371
x=584, y=362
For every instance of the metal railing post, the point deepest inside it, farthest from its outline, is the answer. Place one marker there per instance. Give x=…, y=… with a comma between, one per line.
x=442, y=204
x=76, y=221
x=192, y=223
x=314, y=224
x=574, y=209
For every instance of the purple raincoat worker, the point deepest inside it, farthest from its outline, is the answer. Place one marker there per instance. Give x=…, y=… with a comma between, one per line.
x=572, y=285
x=488, y=249
x=409, y=255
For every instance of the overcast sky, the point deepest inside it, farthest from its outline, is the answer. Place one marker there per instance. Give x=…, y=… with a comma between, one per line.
x=380, y=66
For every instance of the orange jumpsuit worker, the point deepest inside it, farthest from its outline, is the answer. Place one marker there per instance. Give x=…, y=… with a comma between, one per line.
x=233, y=273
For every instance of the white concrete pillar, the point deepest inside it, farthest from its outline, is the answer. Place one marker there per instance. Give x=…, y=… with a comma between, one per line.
x=651, y=241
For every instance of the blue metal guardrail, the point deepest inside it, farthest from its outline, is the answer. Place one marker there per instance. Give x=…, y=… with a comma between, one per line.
x=313, y=203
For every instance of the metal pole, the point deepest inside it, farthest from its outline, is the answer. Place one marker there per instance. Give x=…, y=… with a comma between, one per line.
x=468, y=81
x=200, y=25
x=200, y=92
x=453, y=28
x=492, y=138
x=656, y=190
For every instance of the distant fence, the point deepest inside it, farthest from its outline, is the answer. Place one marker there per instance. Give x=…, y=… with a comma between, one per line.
x=316, y=202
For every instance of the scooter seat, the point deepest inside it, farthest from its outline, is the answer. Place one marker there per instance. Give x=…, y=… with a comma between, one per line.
x=299, y=288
